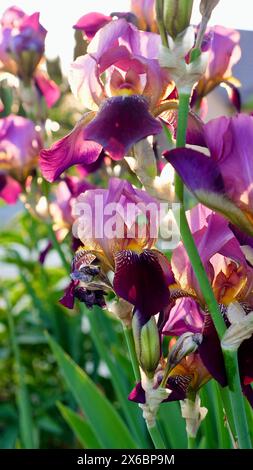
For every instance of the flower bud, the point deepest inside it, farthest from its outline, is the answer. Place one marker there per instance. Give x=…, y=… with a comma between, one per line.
x=206, y=7
x=177, y=15
x=147, y=343
x=186, y=344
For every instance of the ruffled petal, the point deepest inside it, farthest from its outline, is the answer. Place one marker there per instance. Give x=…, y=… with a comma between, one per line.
x=69, y=151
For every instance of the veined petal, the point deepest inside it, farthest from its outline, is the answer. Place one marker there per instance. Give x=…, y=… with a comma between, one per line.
x=121, y=122
x=70, y=150
x=142, y=280
x=204, y=179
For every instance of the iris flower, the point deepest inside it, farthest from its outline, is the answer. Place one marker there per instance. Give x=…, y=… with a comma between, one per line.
x=20, y=144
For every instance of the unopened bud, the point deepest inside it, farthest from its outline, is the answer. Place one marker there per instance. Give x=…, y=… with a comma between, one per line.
x=177, y=16
x=147, y=343
x=207, y=6
x=186, y=344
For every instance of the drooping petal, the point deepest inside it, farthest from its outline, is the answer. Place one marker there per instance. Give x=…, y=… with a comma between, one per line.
x=204, y=179
x=211, y=353
x=70, y=150
x=137, y=394
x=47, y=88
x=142, y=280
x=89, y=24
x=121, y=122
x=68, y=299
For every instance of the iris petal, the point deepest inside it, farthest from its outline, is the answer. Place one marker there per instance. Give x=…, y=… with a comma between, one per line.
x=142, y=279
x=121, y=122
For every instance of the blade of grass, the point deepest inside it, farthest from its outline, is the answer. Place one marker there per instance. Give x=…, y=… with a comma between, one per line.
x=106, y=423
x=80, y=427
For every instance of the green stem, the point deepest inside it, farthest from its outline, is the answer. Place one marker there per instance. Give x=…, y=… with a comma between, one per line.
x=57, y=246
x=156, y=437
x=22, y=399
x=191, y=442
x=185, y=231
x=231, y=361
x=225, y=396
x=132, y=353
x=237, y=401
x=200, y=273
x=182, y=119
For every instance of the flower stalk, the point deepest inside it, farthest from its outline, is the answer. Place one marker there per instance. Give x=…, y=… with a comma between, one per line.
x=231, y=361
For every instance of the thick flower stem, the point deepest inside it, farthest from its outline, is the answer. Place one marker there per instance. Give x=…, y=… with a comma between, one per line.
x=182, y=118
x=185, y=231
x=231, y=362
x=156, y=437
x=191, y=442
x=132, y=353
x=237, y=401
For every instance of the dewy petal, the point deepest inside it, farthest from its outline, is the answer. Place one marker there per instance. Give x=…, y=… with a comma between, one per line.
x=204, y=179
x=9, y=189
x=47, y=88
x=89, y=24
x=70, y=150
x=142, y=280
x=121, y=122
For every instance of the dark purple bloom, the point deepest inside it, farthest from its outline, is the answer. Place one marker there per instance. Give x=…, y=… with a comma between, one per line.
x=121, y=122
x=143, y=279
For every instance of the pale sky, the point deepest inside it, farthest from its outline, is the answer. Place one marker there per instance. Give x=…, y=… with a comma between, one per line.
x=58, y=17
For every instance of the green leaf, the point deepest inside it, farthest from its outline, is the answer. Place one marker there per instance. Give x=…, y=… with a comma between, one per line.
x=106, y=423
x=173, y=425
x=119, y=380
x=81, y=428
